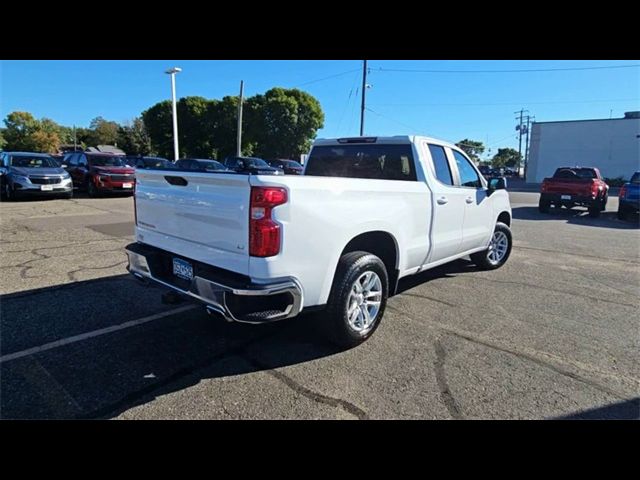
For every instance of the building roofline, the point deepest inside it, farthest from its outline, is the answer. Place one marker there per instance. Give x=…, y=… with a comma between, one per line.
x=587, y=120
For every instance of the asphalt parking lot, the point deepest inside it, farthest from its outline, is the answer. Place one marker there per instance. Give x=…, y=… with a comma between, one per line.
x=553, y=334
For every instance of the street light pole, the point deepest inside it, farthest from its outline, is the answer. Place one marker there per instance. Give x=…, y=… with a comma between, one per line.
x=172, y=72
x=364, y=91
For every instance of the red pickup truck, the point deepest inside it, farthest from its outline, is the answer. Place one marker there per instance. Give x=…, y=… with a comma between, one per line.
x=571, y=186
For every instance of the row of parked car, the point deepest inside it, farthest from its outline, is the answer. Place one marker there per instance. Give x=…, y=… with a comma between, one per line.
x=497, y=172
x=28, y=173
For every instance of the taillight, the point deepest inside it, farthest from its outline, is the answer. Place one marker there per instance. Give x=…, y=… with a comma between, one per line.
x=623, y=191
x=543, y=188
x=135, y=209
x=264, y=233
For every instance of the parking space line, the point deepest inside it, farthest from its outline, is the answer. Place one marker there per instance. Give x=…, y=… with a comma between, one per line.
x=92, y=334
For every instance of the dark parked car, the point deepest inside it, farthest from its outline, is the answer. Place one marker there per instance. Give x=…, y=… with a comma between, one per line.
x=100, y=172
x=289, y=167
x=149, y=162
x=629, y=197
x=200, y=165
x=24, y=173
x=485, y=170
x=58, y=159
x=256, y=166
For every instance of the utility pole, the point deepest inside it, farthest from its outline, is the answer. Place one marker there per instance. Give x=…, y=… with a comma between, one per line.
x=526, y=142
x=240, y=100
x=519, y=129
x=364, y=94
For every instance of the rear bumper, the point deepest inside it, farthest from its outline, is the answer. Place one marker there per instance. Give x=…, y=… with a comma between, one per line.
x=235, y=297
x=573, y=200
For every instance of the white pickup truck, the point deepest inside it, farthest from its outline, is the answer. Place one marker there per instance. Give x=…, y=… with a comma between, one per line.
x=366, y=212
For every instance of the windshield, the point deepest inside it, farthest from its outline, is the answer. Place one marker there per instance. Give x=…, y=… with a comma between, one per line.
x=106, y=161
x=291, y=164
x=33, y=162
x=155, y=163
x=211, y=165
x=636, y=178
x=255, y=163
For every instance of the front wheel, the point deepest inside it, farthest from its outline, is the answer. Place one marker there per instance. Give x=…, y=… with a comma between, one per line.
x=357, y=300
x=91, y=188
x=622, y=213
x=499, y=249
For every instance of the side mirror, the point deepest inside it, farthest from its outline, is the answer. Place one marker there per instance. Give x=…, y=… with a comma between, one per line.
x=496, y=183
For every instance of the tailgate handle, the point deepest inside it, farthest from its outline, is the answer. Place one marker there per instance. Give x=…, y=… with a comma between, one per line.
x=179, y=181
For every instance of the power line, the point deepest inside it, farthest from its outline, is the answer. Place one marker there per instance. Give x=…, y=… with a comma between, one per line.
x=502, y=103
x=528, y=70
x=327, y=78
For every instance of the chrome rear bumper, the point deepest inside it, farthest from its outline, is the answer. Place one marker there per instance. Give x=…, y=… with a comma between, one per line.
x=218, y=296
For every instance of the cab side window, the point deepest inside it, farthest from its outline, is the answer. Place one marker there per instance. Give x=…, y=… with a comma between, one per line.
x=73, y=160
x=468, y=175
x=82, y=161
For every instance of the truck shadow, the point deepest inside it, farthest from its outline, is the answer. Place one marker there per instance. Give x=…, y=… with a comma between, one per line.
x=113, y=372
x=578, y=216
x=624, y=410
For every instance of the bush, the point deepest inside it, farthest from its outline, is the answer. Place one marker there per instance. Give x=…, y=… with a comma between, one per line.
x=615, y=182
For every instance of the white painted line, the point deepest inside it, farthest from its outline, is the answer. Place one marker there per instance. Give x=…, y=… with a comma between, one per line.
x=94, y=333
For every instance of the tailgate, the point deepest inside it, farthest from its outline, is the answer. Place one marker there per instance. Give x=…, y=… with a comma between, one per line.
x=203, y=216
x=572, y=187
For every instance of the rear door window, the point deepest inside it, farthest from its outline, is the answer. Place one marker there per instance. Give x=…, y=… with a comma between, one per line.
x=383, y=162
x=441, y=164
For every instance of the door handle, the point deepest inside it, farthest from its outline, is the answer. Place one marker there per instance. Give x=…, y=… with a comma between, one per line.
x=468, y=200
x=442, y=200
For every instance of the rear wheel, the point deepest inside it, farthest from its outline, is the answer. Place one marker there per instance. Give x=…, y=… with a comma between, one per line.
x=622, y=213
x=603, y=203
x=594, y=210
x=544, y=205
x=499, y=249
x=357, y=300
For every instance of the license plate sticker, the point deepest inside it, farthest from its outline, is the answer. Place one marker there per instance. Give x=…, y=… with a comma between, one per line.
x=182, y=269
x=127, y=185
x=46, y=188
x=565, y=197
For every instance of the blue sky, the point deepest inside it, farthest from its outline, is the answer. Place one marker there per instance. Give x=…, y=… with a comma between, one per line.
x=447, y=105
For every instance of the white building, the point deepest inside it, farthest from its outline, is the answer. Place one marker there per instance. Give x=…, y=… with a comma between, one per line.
x=612, y=145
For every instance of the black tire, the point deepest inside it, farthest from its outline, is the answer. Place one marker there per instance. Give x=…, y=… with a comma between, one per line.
x=481, y=259
x=92, y=191
x=68, y=196
x=622, y=213
x=603, y=203
x=9, y=193
x=544, y=205
x=350, y=268
x=594, y=210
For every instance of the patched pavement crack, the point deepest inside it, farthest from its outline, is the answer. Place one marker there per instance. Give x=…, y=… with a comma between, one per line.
x=533, y=357
x=428, y=298
x=443, y=386
x=305, y=392
x=72, y=273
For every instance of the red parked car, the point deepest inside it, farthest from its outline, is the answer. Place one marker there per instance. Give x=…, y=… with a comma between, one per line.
x=571, y=186
x=100, y=172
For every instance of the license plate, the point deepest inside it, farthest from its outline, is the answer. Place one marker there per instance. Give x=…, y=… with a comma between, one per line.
x=46, y=188
x=182, y=269
x=127, y=185
x=565, y=197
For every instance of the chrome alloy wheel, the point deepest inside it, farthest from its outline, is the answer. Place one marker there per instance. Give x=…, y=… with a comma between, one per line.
x=497, y=248
x=364, y=300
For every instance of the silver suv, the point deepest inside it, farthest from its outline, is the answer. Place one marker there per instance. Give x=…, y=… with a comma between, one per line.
x=26, y=173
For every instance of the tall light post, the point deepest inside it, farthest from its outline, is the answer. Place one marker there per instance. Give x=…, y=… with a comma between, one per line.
x=172, y=72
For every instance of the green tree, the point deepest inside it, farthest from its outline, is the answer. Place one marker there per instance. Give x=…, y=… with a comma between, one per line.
x=283, y=122
x=20, y=127
x=506, y=157
x=103, y=132
x=159, y=125
x=472, y=148
x=24, y=132
x=196, y=126
x=134, y=139
x=3, y=142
